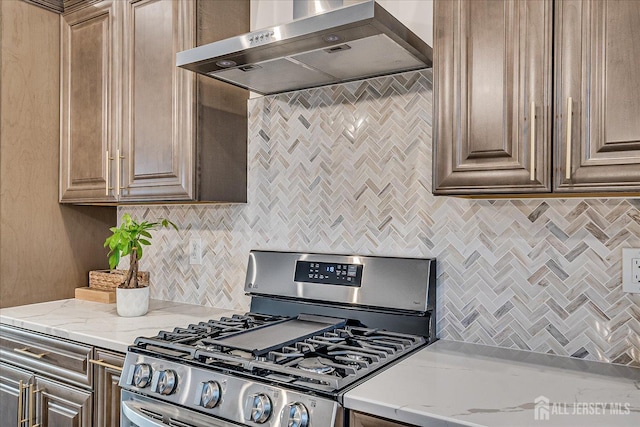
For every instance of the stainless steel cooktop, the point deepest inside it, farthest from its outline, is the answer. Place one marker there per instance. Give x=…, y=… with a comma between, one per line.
x=312, y=334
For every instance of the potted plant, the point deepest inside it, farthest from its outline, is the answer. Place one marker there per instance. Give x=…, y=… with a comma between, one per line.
x=132, y=299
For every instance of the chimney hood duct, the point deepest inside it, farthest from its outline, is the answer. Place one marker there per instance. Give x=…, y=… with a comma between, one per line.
x=352, y=42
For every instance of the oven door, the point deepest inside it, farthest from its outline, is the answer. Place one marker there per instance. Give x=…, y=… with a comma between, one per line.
x=144, y=411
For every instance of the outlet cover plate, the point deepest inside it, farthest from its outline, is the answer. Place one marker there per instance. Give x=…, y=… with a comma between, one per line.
x=195, y=251
x=630, y=268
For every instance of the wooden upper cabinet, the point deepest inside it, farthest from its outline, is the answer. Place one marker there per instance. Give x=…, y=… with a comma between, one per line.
x=597, y=81
x=492, y=91
x=136, y=127
x=493, y=69
x=159, y=127
x=88, y=91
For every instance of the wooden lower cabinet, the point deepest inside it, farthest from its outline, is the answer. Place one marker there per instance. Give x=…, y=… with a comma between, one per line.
x=359, y=419
x=48, y=381
x=60, y=405
x=107, y=368
x=11, y=393
x=28, y=399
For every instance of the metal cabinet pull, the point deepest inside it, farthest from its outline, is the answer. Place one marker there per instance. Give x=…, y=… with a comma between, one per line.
x=118, y=171
x=27, y=352
x=532, y=154
x=21, y=387
x=567, y=172
x=104, y=364
x=107, y=179
x=32, y=405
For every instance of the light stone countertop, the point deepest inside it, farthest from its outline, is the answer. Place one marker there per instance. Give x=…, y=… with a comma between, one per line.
x=460, y=384
x=446, y=384
x=98, y=324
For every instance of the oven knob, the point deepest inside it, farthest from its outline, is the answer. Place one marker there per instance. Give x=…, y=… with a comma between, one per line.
x=295, y=415
x=167, y=382
x=258, y=408
x=142, y=375
x=210, y=394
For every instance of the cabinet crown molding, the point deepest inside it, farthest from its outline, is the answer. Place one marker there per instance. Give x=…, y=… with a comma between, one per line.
x=61, y=6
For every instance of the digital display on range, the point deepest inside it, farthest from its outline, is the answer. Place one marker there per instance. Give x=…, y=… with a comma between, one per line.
x=328, y=273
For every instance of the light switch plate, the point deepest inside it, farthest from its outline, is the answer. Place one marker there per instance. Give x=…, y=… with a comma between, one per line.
x=631, y=270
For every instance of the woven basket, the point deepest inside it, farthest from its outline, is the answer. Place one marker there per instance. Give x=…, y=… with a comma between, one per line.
x=109, y=280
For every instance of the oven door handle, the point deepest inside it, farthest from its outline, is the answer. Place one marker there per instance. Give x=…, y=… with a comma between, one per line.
x=132, y=412
x=144, y=411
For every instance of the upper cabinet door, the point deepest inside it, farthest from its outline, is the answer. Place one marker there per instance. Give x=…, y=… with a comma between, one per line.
x=597, y=129
x=88, y=104
x=492, y=95
x=158, y=140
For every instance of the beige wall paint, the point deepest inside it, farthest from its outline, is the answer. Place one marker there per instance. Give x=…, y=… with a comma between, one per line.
x=46, y=249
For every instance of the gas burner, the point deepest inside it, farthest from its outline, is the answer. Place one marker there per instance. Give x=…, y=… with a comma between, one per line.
x=355, y=357
x=317, y=365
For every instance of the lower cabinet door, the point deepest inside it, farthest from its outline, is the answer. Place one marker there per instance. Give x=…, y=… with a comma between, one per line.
x=14, y=384
x=107, y=368
x=59, y=405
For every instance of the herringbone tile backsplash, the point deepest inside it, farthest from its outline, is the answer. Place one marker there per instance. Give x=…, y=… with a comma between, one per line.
x=347, y=169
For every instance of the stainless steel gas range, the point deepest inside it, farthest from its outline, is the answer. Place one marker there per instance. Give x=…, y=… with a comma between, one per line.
x=319, y=324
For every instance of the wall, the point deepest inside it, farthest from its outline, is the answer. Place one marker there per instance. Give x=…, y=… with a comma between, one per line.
x=347, y=169
x=46, y=249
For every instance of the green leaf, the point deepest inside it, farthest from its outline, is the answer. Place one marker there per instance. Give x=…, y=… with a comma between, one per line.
x=139, y=250
x=114, y=259
x=131, y=234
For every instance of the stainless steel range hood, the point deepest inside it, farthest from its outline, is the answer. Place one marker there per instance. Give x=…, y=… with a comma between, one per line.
x=352, y=42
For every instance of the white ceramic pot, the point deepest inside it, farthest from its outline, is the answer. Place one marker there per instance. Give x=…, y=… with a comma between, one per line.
x=132, y=302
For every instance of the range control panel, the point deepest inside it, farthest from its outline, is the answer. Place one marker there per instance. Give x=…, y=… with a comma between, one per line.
x=329, y=273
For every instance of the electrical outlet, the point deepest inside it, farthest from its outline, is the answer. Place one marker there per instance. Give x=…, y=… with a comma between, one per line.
x=195, y=251
x=635, y=270
x=631, y=270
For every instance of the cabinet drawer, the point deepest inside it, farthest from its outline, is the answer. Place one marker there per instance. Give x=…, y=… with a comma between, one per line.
x=47, y=356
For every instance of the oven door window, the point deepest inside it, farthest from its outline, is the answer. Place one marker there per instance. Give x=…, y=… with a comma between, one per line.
x=143, y=411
